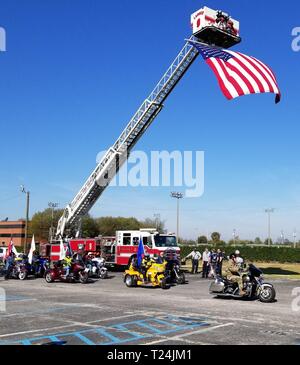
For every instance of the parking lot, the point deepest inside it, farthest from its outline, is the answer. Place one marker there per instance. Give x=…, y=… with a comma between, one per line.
x=107, y=312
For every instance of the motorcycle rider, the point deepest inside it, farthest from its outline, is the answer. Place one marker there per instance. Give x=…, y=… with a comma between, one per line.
x=233, y=274
x=10, y=261
x=146, y=264
x=67, y=262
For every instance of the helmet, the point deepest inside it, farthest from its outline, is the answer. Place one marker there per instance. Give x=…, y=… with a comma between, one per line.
x=147, y=256
x=237, y=252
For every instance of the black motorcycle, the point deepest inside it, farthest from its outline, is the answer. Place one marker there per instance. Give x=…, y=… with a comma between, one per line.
x=253, y=286
x=174, y=273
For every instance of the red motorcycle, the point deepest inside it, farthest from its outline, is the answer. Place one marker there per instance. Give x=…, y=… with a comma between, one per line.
x=77, y=273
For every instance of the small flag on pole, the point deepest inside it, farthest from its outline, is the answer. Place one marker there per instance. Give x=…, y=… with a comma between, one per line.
x=62, y=251
x=140, y=253
x=31, y=251
x=11, y=248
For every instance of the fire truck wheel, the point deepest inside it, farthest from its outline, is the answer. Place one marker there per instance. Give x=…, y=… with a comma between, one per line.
x=130, y=281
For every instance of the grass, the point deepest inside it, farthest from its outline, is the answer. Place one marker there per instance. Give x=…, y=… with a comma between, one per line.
x=270, y=269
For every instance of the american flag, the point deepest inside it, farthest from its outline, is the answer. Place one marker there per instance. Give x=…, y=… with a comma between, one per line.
x=239, y=74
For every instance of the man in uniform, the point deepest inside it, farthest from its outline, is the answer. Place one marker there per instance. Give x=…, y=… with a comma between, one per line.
x=233, y=273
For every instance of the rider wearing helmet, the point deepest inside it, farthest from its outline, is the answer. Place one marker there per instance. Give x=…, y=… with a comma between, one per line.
x=233, y=274
x=146, y=263
x=239, y=260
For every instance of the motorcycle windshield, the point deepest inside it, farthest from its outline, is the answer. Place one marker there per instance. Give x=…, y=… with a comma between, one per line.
x=254, y=271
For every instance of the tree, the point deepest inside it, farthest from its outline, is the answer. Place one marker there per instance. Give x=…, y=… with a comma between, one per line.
x=216, y=237
x=202, y=239
x=109, y=225
x=153, y=223
x=89, y=227
x=258, y=241
x=267, y=242
x=41, y=222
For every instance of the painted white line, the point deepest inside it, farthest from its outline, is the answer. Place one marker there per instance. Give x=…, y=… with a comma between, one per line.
x=180, y=337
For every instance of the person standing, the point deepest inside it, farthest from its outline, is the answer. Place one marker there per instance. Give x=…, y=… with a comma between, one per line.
x=205, y=263
x=213, y=263
x=219, y=262
x=196, y=257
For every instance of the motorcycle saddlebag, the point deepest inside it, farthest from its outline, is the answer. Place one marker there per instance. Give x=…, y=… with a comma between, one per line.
x=217, y=286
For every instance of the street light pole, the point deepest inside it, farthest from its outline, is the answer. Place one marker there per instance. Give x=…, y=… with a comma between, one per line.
x=177, y=196
x=27, y=215
x=269, y=211
x=295, y=235
x=52, y=206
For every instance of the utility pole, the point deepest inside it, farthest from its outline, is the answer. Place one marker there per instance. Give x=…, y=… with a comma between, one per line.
x=234, y=236
x=52, y=206
x=177, y=196
x=27, y=215
x=269, y=211
x=157, y=220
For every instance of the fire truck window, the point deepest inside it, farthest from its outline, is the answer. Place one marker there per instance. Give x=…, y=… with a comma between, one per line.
x=126, y=239
x=145, y=240
x=136, y=241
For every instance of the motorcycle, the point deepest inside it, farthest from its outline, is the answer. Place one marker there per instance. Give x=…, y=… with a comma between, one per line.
x=18, y=270
x=77, y=273
x=253, y=285
x=155, y=276
x=39, y=268
x=174, y=273
x=98, y=268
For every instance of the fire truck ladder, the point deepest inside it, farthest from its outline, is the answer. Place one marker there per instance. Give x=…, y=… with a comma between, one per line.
x=119, y=152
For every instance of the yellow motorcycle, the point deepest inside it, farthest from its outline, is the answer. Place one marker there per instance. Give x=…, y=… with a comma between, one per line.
x=155, y=276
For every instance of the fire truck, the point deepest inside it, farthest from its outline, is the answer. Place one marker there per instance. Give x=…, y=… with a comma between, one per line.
x=211, y=27
x=118, y=250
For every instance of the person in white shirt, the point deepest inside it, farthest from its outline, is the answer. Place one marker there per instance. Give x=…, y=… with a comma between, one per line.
x=205, y=263
x=196, y=257
x=238, y=259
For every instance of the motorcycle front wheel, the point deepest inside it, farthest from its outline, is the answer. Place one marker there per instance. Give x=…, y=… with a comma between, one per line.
x=181, y=278
x=83, y=277
x=267, y=294
x=48, y=277
x=22, y=275
x=103, y=275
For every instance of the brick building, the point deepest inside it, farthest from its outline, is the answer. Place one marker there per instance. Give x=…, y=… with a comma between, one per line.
x=14, y=230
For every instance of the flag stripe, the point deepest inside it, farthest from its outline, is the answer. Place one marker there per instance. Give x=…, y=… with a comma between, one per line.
x=272, y=85
x=228, y=90
x=248, y=88
x=240, y=78
x=250, y=70
x=268, y=70
x=253, y=87
x=258, y=73
x=231, y=78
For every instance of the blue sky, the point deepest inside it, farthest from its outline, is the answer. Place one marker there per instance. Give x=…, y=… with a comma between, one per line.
x=75, y=72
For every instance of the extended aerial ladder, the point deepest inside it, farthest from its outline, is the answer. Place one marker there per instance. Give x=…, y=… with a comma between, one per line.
x=116, y=155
